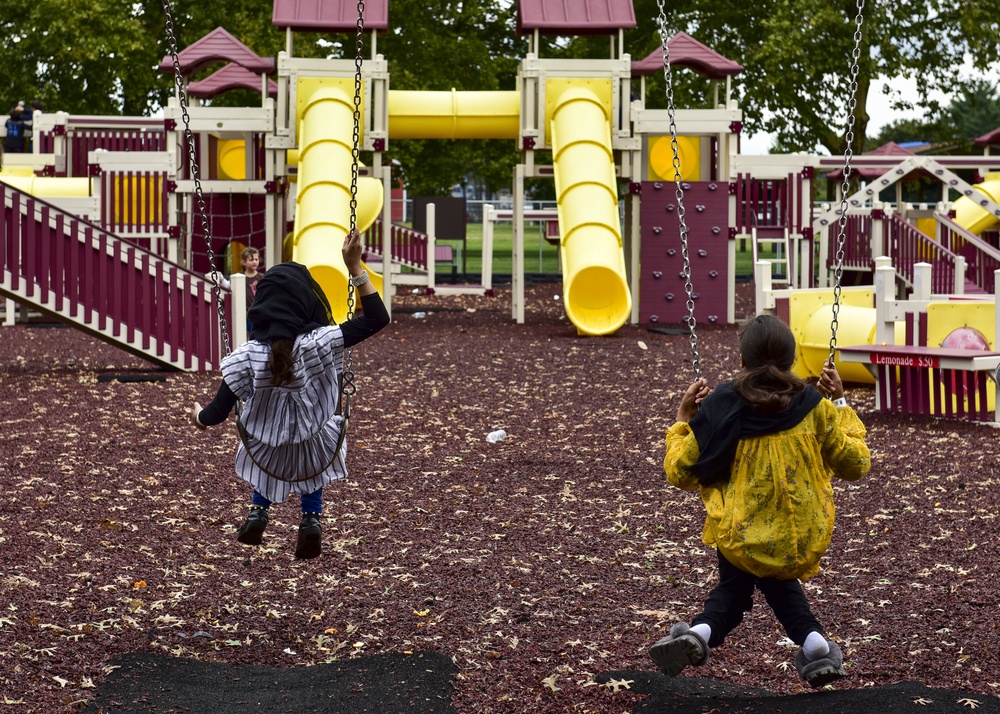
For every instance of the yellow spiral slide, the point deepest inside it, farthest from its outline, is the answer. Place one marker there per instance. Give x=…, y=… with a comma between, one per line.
x=323, y=202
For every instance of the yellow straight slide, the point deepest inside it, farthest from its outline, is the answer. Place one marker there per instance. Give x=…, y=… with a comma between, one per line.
x=596, y=295
x=973, y=217
x=323, y=202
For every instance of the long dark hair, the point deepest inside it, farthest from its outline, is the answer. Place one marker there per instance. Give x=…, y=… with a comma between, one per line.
x=281, y=362
x=767, y=347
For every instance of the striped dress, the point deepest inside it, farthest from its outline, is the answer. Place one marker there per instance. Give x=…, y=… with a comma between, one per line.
x=292, y=430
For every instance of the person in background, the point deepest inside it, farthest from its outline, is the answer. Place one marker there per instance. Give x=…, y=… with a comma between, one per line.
x=14, y=142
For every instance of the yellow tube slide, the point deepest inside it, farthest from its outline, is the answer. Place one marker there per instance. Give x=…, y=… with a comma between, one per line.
x=48, y=186
x=454, y=115
x=323, y=203
x=973, y=217
x=595, y=289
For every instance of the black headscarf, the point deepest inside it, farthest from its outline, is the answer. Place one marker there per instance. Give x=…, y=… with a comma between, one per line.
x=725, y=417
x=289, y=302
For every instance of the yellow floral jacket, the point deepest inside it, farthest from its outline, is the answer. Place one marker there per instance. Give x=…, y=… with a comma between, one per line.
x=774, y=516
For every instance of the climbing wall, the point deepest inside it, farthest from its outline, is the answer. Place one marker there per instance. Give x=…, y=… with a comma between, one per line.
x=662, y=298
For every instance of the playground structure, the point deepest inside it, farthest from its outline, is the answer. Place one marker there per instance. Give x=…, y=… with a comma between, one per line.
x=277, y=176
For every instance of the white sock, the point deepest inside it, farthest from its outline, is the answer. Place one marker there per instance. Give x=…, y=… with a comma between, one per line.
x=815, y=646
x=703, y=630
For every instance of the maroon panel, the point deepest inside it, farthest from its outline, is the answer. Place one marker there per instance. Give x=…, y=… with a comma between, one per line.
x=101, y=303
x=46, y=265
x=89, y=258
x=662, y=295
x=14, y=240
x=60, y=236
x=189, y=305
x=161, y=300
x=117, y=278
x=29, y=258
x=5, y=226
x=145, y=313
x=177, y=302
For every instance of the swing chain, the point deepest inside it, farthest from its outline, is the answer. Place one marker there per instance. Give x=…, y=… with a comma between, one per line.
x=679, y=192
x=347, y=384
x=193, y=167
x=852, y=104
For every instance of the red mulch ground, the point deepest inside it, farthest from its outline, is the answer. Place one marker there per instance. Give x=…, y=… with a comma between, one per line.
x=536, y=563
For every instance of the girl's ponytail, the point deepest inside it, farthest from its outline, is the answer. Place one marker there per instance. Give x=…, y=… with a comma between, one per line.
x=281, y=362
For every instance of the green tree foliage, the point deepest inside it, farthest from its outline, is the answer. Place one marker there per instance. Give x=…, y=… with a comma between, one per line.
x=975, y=109
x=796, y=56
x=101, y=57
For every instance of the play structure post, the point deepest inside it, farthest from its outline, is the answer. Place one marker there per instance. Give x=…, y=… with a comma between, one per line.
x=762, y=286
x=238, y=284
x=517, y=249
x=885, y=295
x=431, y=213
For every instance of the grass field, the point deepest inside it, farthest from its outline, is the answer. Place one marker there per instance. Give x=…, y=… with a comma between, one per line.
x=540, y=256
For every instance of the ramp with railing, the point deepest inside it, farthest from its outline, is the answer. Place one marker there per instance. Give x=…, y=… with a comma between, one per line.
x=71, y=269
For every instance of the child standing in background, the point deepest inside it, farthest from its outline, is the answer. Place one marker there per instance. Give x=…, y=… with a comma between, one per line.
x=762, y=449
x=250, y=260
x=288, y=376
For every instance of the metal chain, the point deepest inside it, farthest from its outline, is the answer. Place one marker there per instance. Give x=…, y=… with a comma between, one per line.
x=838, y=271
x=193, y=167
x=679, y=192
x=347, y=385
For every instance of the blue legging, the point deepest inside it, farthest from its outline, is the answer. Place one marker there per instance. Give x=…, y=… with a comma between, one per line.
x=311, y=502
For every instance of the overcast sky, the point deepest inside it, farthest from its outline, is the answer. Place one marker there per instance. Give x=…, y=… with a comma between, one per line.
x=879, y=110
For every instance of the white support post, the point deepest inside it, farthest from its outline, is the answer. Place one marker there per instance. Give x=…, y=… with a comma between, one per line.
x=8, y=315
x=238, y=285
x=388, y=287
x=823, y=281
x=885, y=293
x=431, y=245
x=762, y=286
x=517, y=249
x=731, y=283
x=921, y=282
x=878, y=233
x=487, y=250
x=960, y=268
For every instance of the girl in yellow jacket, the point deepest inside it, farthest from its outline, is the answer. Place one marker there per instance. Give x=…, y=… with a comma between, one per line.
x=763, y=449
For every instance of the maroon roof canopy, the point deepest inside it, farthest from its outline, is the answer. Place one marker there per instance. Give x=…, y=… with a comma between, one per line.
x=232, y=76
x=318, y=15
x=989, y=139
x=574, y=17
x=867, y=172
x=685, y=51
x=217, y=46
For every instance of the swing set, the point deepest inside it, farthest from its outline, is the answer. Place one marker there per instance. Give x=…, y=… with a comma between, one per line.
x=348, y=376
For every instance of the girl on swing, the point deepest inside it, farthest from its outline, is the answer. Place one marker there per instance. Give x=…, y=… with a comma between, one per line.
x=288, y=376
x=762, y=449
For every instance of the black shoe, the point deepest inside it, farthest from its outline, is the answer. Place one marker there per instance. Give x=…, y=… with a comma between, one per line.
x=252, y=530
x=310, y=537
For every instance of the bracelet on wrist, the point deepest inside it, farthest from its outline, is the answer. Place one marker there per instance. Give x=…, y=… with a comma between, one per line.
x=841, y=402
x=359, y=280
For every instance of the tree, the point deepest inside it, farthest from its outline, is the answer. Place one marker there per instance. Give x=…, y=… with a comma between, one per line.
x=975, y=109
x=796, y=56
